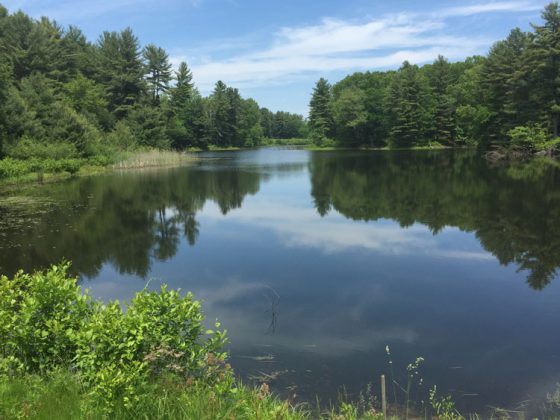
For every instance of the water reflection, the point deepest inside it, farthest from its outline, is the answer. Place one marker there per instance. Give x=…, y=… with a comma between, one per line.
x=132, y=219
x=128, y=219
x=514, y=211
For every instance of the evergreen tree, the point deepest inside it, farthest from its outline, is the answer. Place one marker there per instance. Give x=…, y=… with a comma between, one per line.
x=183, y=91
x=502, y=79
x=158, y=70
x=121, y=70
x=544, y=65
x=320, y=115
x=77, y=55
x=439, y=77
x=267, y=122
x=5, y=82
x=408, y=107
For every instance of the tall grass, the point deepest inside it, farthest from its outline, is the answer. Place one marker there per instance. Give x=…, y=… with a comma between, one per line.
x=153, y=158
x=62, y=396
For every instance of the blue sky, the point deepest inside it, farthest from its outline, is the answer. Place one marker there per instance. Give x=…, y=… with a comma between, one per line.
x=274, y=51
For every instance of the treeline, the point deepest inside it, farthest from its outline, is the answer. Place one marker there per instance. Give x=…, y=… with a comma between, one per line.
x=283, y=125
x=511, y=96
x=63, y=97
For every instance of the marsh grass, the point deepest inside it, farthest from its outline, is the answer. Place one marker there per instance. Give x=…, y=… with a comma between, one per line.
x=153, y=158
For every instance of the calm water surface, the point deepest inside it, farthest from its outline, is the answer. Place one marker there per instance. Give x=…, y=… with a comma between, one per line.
x=314, y=262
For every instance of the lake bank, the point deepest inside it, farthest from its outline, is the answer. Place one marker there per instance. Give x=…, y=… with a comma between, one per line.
x=17, y=172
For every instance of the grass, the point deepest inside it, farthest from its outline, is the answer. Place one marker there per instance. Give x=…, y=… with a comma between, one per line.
x=16, y=171
x=63, y=396
x=153, y=158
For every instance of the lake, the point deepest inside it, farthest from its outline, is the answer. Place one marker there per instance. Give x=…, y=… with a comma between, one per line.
x=315, y=261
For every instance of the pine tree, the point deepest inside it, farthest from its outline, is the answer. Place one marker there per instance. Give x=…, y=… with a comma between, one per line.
x=320, y=115
x=183, y=91
x=503, y=79
x=158, y=71
x=120, y=70
x=219, y=115
x=544, y=63
x=439, y=77
x=408, y=107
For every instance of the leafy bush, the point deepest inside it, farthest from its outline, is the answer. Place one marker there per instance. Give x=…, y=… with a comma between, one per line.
x=47, y=323
x=40, y=315
x=12, y=168
x=530, y=138
x=27, y=148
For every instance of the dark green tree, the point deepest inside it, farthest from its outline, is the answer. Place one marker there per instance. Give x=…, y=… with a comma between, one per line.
x=408, y=107
x=157, y=70
x=443, y=124
x=120, y=70
x=321, y=121
x=183, y=91
x=544, y=65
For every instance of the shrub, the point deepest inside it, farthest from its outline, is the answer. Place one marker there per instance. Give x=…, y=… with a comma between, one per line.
x=529, y=138
x=27, y=148
x=11, y=168
x=47, y=323
x=119, y=351
x=40, y=315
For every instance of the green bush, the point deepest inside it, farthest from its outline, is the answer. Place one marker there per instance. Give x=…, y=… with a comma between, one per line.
x=529, y=138
x=27, y=148
x=12, y=168
x=40, y=315
x=48, y=323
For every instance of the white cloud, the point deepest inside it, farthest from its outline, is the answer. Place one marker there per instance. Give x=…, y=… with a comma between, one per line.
x=339, y=45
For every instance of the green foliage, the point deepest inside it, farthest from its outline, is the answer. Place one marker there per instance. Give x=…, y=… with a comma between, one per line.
x=147, y=125
x=158, y=70
x=530, y=139
x=64, y=396
x=40, y=315
x=443, y=407
x=408, y=102
x=321, y=123
x=63, y=97
x=47, y=323
x=282, y=125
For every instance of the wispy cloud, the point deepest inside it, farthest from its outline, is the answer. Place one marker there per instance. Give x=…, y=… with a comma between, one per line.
x=342, y=45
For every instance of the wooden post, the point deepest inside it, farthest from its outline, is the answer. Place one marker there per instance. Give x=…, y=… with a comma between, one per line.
x=383, y=397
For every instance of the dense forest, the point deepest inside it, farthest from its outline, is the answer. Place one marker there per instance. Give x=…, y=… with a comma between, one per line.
x=511, y=97
x=63, y=97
